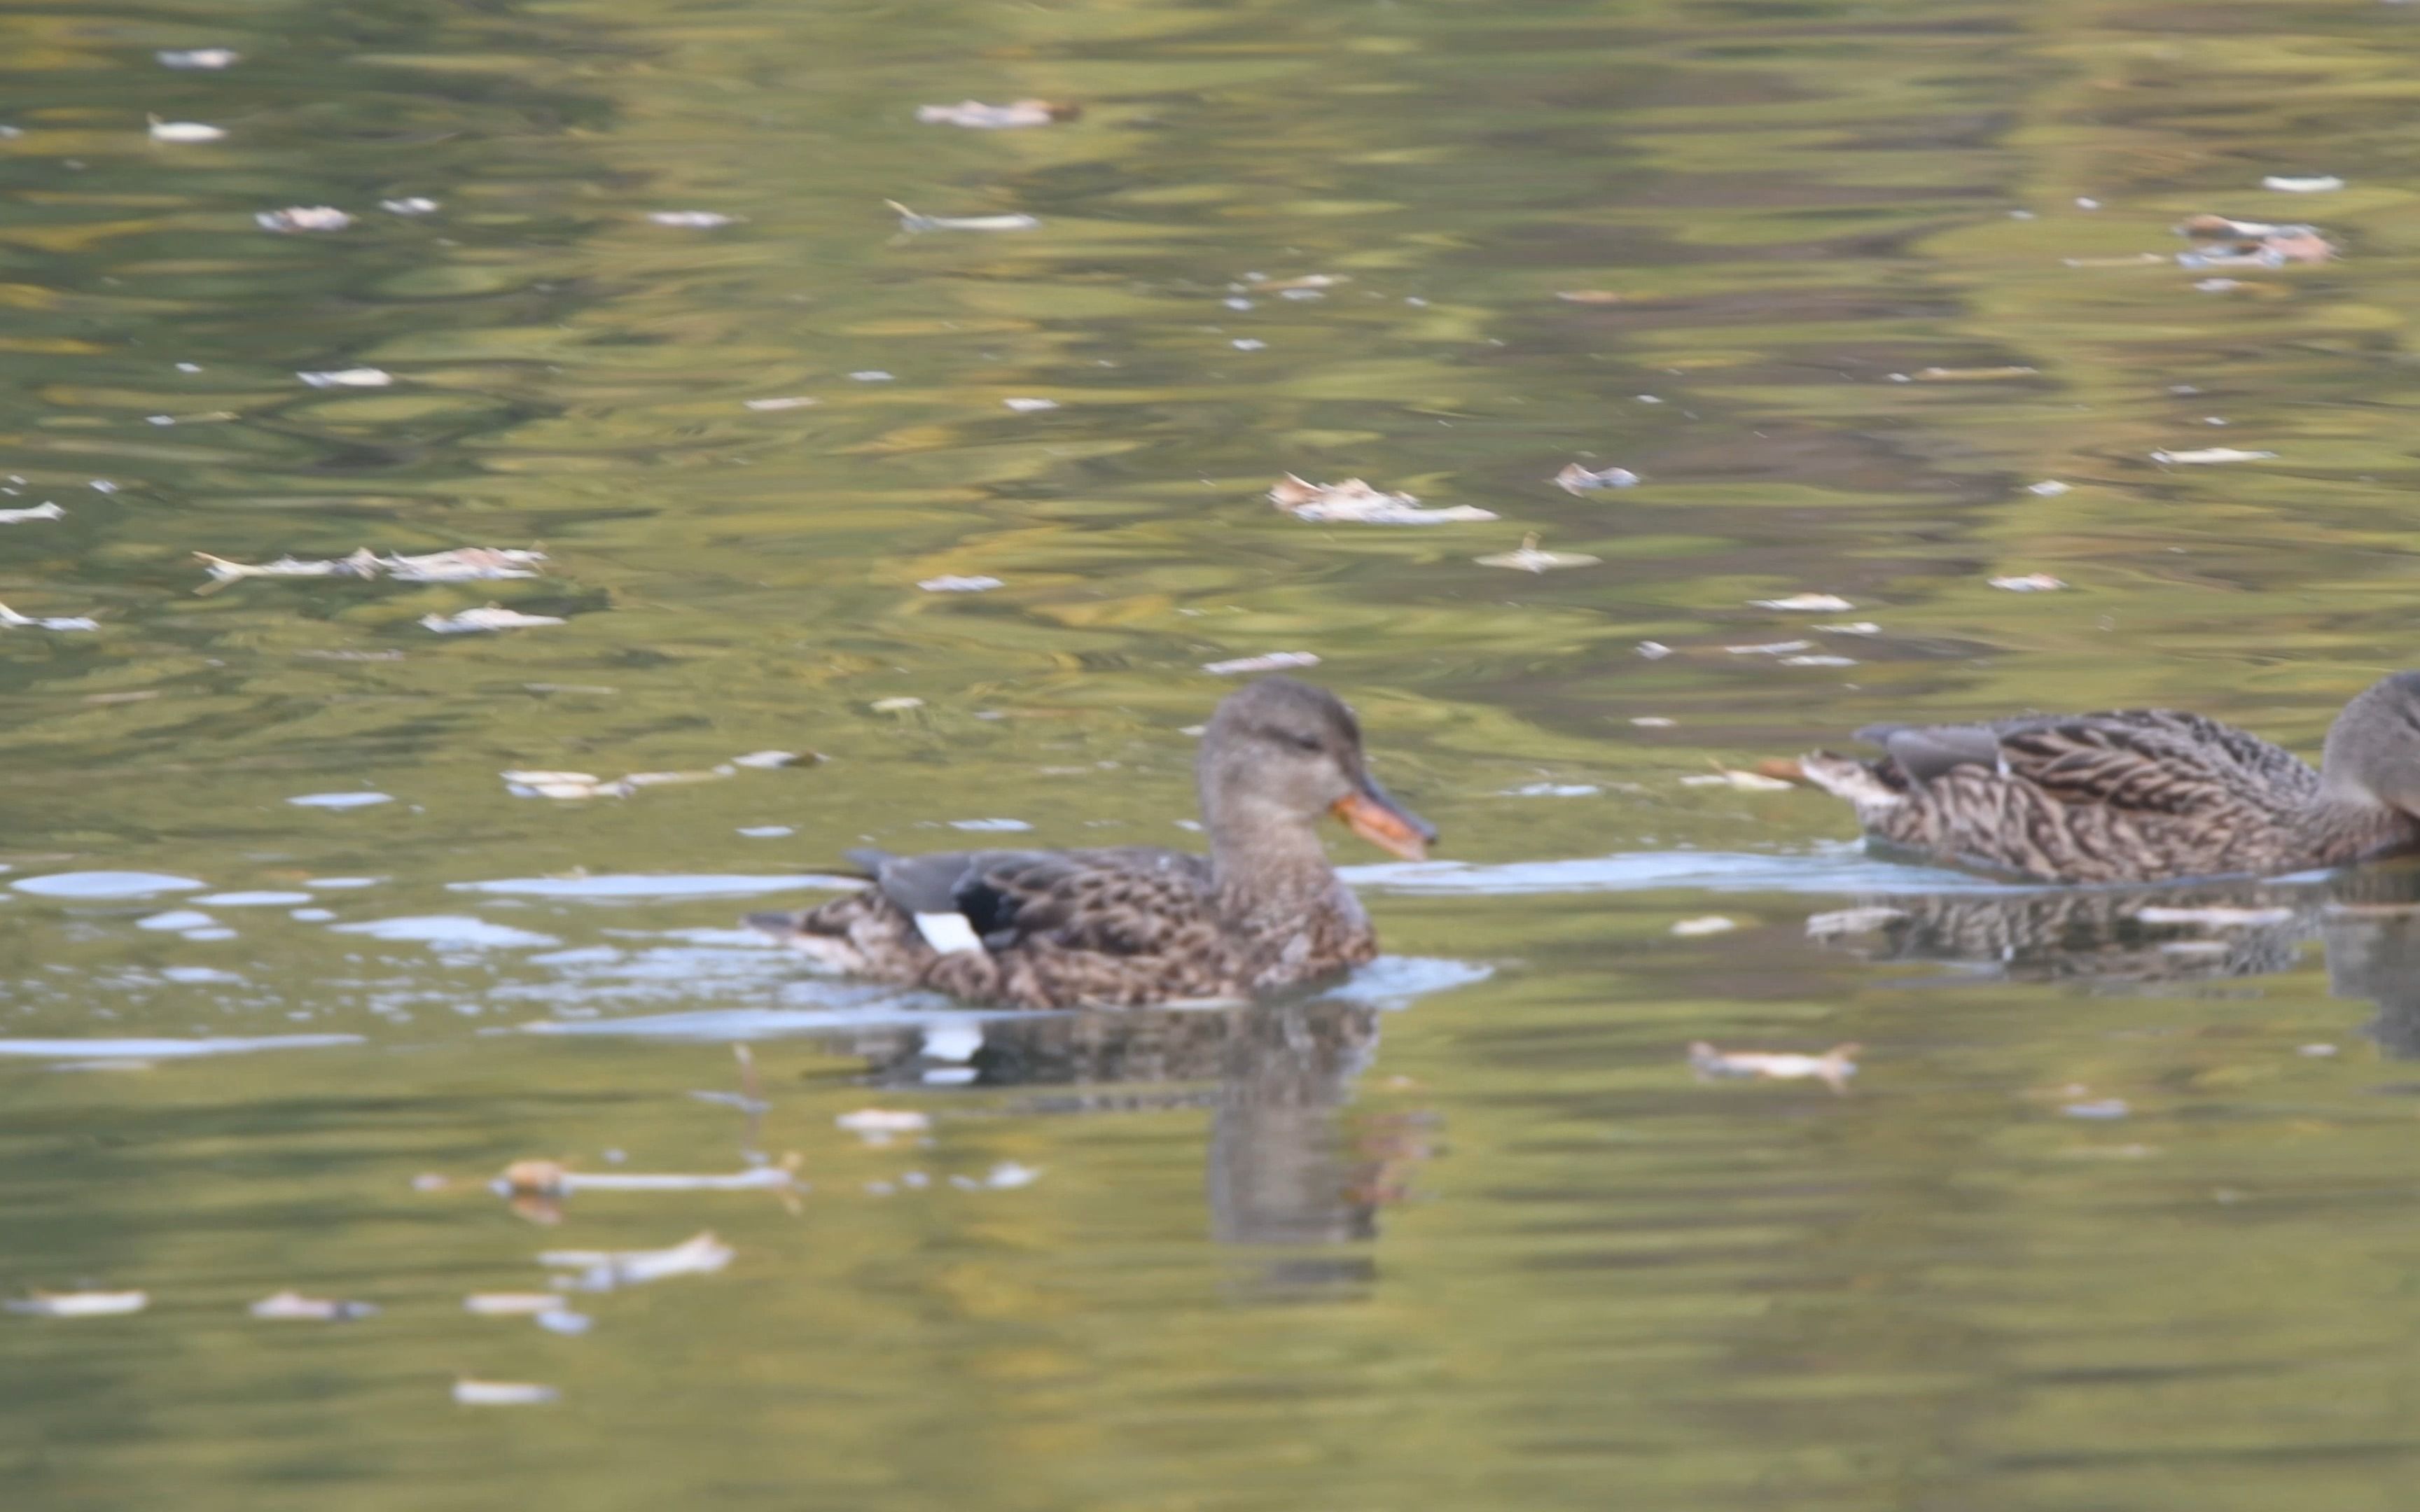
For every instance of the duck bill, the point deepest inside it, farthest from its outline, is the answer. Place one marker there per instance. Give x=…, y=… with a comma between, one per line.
x=1369, y=812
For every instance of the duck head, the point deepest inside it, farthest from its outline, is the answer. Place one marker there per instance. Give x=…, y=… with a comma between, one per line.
x=1279, y=754
x=2373, y=750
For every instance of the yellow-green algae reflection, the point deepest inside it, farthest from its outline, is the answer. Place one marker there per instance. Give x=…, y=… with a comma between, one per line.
x=1469, y=1237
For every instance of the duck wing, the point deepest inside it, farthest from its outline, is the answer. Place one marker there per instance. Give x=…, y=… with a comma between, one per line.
x=2147, y=761
x=1129, y=901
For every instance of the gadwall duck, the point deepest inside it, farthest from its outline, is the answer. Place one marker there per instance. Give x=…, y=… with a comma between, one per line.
x=1135, y=925
x=2139, y=794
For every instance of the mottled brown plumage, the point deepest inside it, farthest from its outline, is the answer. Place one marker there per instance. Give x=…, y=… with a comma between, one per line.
x=2140, y=794
x=1135, y=925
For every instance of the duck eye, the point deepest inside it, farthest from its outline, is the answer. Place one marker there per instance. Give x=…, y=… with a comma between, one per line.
x=1293, y=738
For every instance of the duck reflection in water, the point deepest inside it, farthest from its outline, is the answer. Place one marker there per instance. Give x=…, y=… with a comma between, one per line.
x=1289, y=1175
x=2148, y=939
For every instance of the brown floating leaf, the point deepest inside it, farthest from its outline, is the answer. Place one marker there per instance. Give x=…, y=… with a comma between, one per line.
x=979, y=116
x=2226, y=243
x=1591, y=296
x=1833, y=1068
x=1354, y=501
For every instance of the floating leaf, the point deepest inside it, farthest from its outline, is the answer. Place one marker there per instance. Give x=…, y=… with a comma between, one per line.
x=604, y=1270
x=12, y=620
x=1708, y=924
x=1820, y=659
x=1275, y=661
x=1591, y=296
x=1772, y=648
x=1529, y=559
x=1971, y=374
x=511, y=1303
x=492, y=617
x=977, y=116
x=2210, y=455
x=349, y=377
x=787, y=402
x=293, y=1306
x=692, y=220
x=470, y=1393
x=910, y=221
x=1851, y=627
x=80, y=1303
x=303, y=218
x=466, y=563
x=1833, y=1068
x=2049, y=489
x=2224, y=242
x=1028, y=407
x=2032, y=582
x=412, y=205
x=2313, y=184
x=185, y=132
x=1576, y=478
x=1805, y=603
x=1354, y=501
x=1744, y=782
x=950, y=583
x=881, y=1125
x=40, y=511
x=198, y=58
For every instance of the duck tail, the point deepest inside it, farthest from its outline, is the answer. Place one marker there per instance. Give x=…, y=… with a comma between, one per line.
x=1845, y=776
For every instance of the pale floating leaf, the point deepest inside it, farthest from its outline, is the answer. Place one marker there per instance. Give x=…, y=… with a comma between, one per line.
x=1353, y=502
x=290, y=1306
x=910, y=221
x=1248, y=344
x=1275, y=661
x=951, y=583
x=882, y=1125
x=80, y=1303
x=12, y=620
x=511, y=1303
x=470, y=1393
x=2049, y=487
x=871, y=375
x=1653, y=650
x=896, y=705
x=564, y=1321
x=767, y=759
x=2298, y=185
x=692, y=220
x=41, y=511
x=2032, y=582
x=1028, y=407
x=2224, y=242
x=489, y=618
x=185, y=132
x=783, y=402
x=1529, y=559
x=1008, y=1176
x=1833, y=1068
x=2100, y=1109
x=539, y=1178
x=976, y=115
x=2210, y=455
x=1972, y=375
x=603, y=1270
x=1654, y=721
x=411, y=205
x=1575, y=479
x=1805, y=603
x=1307, y=284
x=1772, y=648
x=1591, y=296
x=349, y=377
x=468, y=564
x=1852, y=627
x=303, y=218
x=1707, y=924
x=198, y=58
x=1819, y=660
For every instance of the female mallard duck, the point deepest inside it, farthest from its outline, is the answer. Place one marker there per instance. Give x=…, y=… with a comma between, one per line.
x=1134, y=925
x=2140, y=794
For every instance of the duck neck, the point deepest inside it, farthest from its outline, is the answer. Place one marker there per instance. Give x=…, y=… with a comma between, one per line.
x=2351, y=825
x=1274, y=862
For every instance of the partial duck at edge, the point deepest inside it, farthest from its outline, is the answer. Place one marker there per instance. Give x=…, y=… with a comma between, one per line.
x=1122, y=927
x=2139, y=794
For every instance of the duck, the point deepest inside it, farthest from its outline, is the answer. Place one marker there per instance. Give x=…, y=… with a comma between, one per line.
x=1131, y=926
x=2139, y=794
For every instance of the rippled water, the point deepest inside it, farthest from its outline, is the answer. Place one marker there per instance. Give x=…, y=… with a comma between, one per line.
x=2113, y=1212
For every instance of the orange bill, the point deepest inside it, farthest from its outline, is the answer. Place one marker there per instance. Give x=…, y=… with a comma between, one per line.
x=1369, y=814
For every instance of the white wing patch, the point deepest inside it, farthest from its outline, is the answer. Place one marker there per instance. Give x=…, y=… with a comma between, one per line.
x=948, y=933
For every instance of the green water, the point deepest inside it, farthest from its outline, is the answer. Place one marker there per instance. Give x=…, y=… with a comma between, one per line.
x=1469, y=1234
